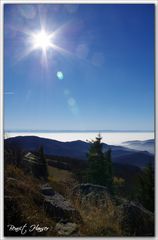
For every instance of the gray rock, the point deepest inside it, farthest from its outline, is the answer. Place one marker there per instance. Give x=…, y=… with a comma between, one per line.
x=86, y=188
x=11, y=179
x=136, y=220
x=94, y=194
x=57, y=206
x=120, y=200
x=66, y=229
x=47, y=190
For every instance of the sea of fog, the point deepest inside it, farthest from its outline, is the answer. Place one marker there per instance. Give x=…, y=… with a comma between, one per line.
x=112, y=138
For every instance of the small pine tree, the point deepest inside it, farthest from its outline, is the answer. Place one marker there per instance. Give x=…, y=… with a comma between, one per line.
x=95, y=157
x=99, y=164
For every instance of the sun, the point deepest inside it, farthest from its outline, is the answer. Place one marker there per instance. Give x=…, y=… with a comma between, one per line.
x=42, y=40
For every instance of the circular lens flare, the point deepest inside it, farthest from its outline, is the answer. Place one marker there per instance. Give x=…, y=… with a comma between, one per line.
x=60, y=75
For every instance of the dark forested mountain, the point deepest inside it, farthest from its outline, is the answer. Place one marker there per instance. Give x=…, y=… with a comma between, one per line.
x=78, y=149
x=139, y=159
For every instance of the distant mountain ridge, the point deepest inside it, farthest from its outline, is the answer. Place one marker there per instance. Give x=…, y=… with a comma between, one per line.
x=79, y=149
x=146, y=145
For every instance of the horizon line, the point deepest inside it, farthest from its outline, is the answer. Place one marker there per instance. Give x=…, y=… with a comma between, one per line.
x=76, y=130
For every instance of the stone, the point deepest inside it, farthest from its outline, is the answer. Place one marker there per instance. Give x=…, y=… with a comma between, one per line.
x=57, y=207
x=11, y=179
x=135, y=220
x=66, y=229
x=120, y=200
x=94, y=194
x=47, y=190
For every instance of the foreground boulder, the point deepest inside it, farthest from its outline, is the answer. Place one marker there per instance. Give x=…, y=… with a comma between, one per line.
x=57, y=207
x=95, y=195
x=132, y=218
x=136, y=220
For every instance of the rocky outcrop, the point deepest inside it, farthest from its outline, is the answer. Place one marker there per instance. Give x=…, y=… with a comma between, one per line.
x=92, y=194
x=66, y=229
x=135, y=220
x=57, y=207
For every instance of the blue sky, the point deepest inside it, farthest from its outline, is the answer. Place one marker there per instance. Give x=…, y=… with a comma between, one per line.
x=98, y=75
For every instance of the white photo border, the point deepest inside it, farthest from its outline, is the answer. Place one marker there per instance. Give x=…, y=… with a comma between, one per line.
x=2, y=2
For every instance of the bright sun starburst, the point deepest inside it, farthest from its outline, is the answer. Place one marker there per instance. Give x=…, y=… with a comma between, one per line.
x=45, y=41
x=42, y=40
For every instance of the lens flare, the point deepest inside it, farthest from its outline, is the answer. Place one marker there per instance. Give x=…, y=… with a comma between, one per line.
x=60, y=75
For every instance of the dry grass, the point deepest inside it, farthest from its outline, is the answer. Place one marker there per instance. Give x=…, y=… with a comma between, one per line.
x=59, y=175
x=27, y=202
x=23, y=196
x=98, y=221
x=61, y=180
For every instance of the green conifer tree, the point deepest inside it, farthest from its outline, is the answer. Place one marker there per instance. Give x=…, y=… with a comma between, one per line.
x=99, y=164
